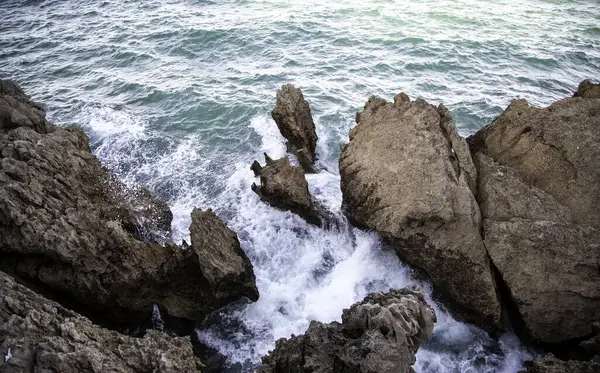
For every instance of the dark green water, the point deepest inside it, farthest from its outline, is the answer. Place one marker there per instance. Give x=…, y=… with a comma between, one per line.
x=175, y=95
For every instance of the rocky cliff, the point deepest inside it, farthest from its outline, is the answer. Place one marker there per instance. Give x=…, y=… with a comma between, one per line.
x=515, y=213
x=407, y=174
x=38, y=335
x=71, y=230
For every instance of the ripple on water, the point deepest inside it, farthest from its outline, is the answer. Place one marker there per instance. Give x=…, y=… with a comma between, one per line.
x=175, y=95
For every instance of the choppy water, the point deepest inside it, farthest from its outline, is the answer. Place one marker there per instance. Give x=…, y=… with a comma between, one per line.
x=176, y=94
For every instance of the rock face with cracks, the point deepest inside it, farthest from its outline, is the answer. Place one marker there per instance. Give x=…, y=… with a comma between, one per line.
x=538, y=190
x=38, y=335
x=294, y=120
x=380, y=334
x=408, y=175
x=70, y=229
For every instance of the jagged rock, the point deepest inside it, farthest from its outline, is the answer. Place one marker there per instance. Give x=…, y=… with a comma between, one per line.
x=538, y=179
x=284, y=186
x=550, y=364
x=222, y=261
x=39, y=335
x=555, y=149
x=71, y=229
x=294, y=120
x=380, y=334
x=408, y=175
x=587, y=89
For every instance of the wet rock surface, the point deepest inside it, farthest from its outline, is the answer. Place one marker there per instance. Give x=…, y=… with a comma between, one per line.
x=38, y=335
x=550, y=364
x=408, y=175
x=67, y=226
x=284, y=186
x=222, y=261
x=380, y=334
x=294, y=120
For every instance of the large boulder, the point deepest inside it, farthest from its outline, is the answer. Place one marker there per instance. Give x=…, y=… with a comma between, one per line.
x=68, y=227
x=380, y=334
x=294, y=120
x=587, y=89
x=538, y=183
x=222, y=261
x=408, y=175
x=285, y=187
x=38, y=335
x=555, y=149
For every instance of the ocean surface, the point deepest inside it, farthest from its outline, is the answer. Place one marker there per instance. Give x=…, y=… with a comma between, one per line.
x=176, y=95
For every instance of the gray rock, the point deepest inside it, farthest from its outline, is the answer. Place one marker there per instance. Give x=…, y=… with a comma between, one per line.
x=587, y=89
x=294, y=120
x=408, y=175
x=537, y=190
x=380, y=334
x=38, y=335
x=285, y=187
x=550, y=364
x=552, y=272
x=555, y=149
x=222, y=261
x=68, y=225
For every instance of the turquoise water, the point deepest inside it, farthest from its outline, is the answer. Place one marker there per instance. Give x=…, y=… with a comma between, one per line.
x=175, y=95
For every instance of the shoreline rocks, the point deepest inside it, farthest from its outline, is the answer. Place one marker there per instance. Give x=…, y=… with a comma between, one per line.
x=408, y=175
x=380, y=334
x=69, y=228
x=539, y=195
x=294, y=120
x=285, y=187
x=39, y=335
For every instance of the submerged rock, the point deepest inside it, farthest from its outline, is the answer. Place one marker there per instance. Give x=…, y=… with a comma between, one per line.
x=538, y=192
x=408, y=175
x=380, y=334
x=39, y=335
x=68, y=227
x=294, y=120
x=284, y=186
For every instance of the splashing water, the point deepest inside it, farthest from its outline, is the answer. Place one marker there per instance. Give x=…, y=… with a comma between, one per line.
x=175, y=95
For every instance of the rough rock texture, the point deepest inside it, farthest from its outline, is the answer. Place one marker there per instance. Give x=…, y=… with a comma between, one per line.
x=294, y=120
x=380, y=334
x=408, y=175
x=222, y=261
x=550, y=364
x=538, y=183
x=67, y=226
x=587, y=89
x=555, y=149
x=40, y=336
x=284, y=186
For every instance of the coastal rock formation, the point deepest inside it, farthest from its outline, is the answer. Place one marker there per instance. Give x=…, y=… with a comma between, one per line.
x=380, y=334
x=222, y=261
x=284, y=186
x=550, y=364
x=587, y=89
x=39, y=335
x=408, y=175
x=538, y=183
x=294, y=120
x=73, y=231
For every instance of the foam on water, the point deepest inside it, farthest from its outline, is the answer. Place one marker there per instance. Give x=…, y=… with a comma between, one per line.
x=175, y=96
